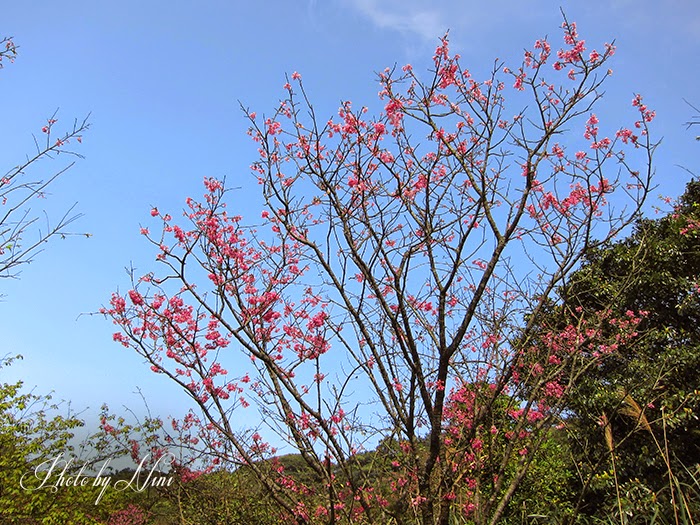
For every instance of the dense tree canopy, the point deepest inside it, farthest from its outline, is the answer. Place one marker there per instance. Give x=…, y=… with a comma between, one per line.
x=647, y=391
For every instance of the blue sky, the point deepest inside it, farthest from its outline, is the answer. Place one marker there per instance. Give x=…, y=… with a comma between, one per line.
x=163, y=81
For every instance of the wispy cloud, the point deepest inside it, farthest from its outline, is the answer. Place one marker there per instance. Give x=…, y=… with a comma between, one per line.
x=430, y=19
x=424, y=21
x=406, y=16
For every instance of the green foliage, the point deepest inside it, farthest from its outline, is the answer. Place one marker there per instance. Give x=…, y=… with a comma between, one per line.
x=545, y=496
x=31, y=432
x=216, y=498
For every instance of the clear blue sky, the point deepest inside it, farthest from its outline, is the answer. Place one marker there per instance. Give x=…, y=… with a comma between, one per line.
x=163, y=80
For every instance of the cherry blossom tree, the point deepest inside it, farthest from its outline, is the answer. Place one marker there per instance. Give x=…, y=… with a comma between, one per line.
x=383, y=318
x=22, y=230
